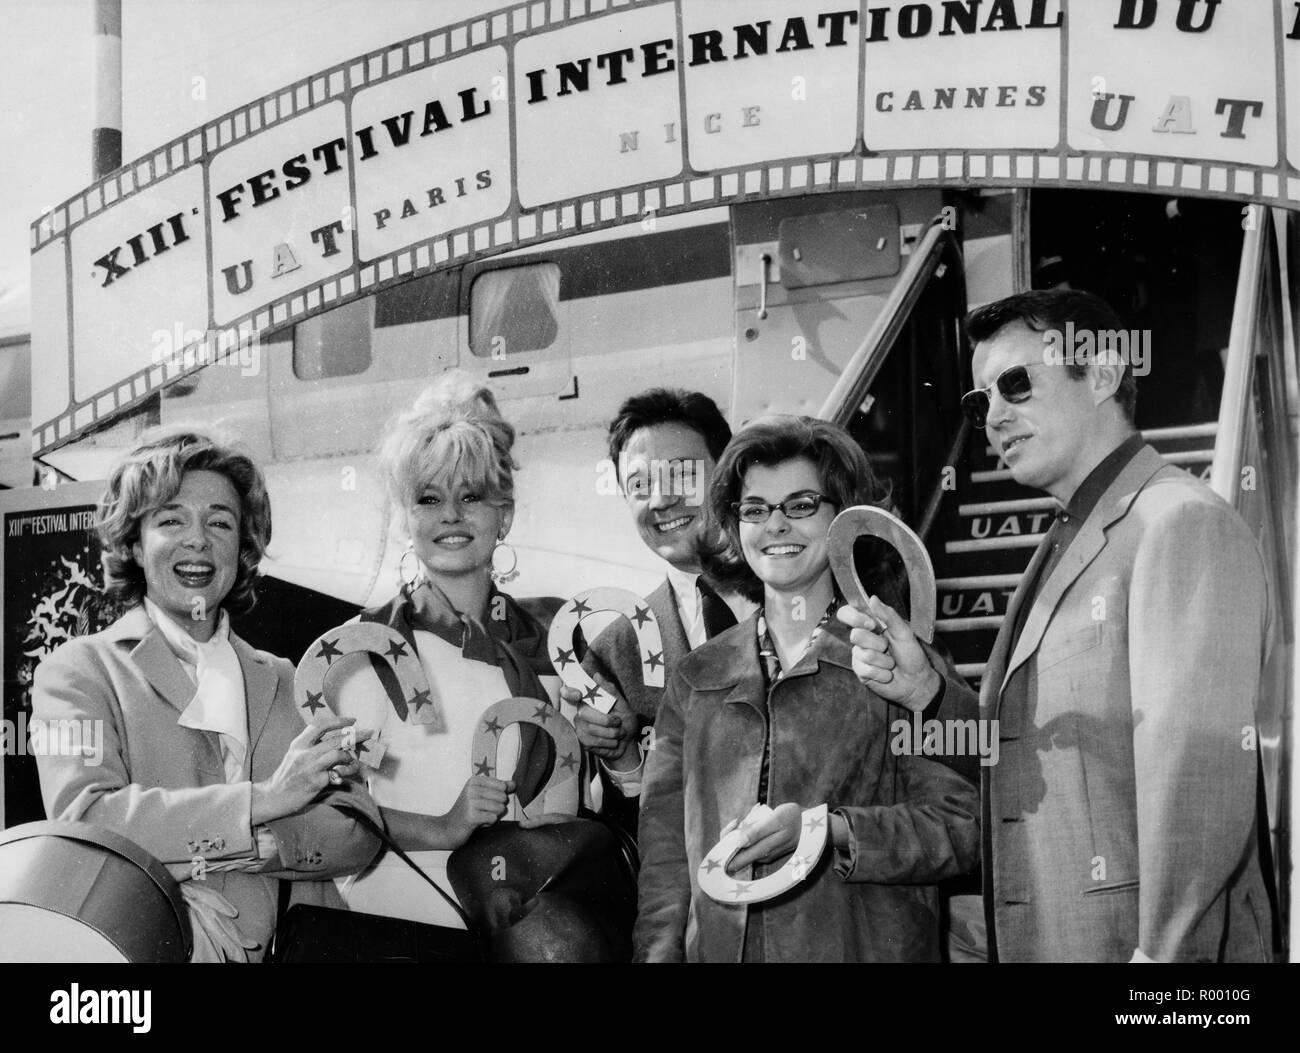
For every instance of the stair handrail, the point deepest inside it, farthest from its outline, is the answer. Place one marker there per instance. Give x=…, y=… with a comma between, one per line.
x=935, y=500
x=859, y=373
x=1239, y=370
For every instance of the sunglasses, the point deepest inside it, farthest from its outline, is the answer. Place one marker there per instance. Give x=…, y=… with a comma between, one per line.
x=1013, y=385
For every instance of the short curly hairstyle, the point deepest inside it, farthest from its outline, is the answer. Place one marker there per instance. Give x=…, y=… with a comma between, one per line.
x=454, y=432
x=847, y=478
x=148, y=477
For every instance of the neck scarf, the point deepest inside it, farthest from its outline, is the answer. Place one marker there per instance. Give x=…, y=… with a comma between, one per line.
x=219, y=703
x=426, y=607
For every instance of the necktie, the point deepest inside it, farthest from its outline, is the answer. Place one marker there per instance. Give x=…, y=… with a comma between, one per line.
x=717, y=615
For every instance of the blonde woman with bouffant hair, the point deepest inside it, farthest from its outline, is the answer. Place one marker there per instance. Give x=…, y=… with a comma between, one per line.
x=449, y=471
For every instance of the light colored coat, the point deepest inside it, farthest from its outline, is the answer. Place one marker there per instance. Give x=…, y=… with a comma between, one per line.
x=163, y=785
x=1121, y=813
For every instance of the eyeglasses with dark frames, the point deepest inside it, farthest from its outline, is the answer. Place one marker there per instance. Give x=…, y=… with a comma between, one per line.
x=796, y=506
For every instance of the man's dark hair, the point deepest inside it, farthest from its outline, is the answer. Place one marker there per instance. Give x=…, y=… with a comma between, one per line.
x=1048, y=310
x=669, y=406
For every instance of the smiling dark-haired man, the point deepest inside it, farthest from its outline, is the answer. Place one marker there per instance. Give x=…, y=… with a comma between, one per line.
x=664, y=443
x=1119, y=823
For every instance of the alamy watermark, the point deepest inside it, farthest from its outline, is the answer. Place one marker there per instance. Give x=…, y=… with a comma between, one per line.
x=193, y=347
x=643, y=478
x=945, y=738
x=1131, y=347
x=34, y=737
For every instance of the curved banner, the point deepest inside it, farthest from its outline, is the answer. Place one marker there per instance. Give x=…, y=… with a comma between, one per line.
x=545, y=118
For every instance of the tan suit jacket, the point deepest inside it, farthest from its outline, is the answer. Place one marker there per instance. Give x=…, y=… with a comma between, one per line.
x=163, y=785
x=1121, y=813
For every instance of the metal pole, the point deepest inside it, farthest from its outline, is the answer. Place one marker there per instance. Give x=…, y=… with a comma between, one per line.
x=106, y=136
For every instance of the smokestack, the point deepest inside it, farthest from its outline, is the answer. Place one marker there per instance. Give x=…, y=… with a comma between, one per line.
x=106, y=138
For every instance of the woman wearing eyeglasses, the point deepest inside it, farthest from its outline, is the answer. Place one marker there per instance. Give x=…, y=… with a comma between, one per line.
x=771, y=712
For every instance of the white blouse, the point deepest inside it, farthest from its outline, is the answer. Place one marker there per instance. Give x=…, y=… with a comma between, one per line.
x=422, y=771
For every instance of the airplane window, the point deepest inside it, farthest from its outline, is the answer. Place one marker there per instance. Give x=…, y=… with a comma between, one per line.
x=514, y=309
x=336, y=343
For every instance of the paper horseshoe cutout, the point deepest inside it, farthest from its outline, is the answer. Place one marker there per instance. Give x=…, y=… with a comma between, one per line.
x=717, y=884
x=309, y=682
x=854, y=522
x=559, y=641
x=560, y=794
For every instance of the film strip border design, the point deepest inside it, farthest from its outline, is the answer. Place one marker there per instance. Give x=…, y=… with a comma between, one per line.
x=788, y=178
x=309, y=93
x=511, y=23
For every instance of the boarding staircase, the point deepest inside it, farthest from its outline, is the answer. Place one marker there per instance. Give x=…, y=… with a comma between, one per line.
x=982, y=532
x=997, y=525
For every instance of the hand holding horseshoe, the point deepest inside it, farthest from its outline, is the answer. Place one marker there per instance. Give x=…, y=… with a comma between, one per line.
x=887, y=654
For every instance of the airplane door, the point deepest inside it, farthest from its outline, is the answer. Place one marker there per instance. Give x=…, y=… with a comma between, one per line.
x=811, y=275
x=513, y=328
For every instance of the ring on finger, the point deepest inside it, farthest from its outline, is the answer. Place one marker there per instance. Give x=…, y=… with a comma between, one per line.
x=335, y=778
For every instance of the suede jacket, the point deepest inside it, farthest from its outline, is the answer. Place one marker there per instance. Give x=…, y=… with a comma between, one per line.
x=913, y=821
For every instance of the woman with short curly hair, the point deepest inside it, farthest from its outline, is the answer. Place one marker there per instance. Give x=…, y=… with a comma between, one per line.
x=206, y=762
x=770, y=712
x=147, y=478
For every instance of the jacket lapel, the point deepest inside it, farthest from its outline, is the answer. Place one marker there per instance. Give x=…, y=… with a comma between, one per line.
x=735, y=667
x=672, y=634
x=162, y=669
x=153, y=658
x=1091, y=539
x=260, y=683
x=996, y=670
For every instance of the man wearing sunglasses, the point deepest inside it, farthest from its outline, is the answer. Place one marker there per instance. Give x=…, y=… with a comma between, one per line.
x=1119, y=822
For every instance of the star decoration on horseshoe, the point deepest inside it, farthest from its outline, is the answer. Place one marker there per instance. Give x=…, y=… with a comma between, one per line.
x=396, y=650
x=420, y=698
x=580, y=608
x=561, y=792
x=654, y=658
x=722, y=887
x=564, y=657
x=313, y=702
x=328, y=651
x=591, y=694
x=641, y=616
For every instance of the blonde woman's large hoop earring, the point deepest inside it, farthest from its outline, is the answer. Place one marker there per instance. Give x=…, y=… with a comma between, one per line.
x=504, y=577
x=409, y=580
